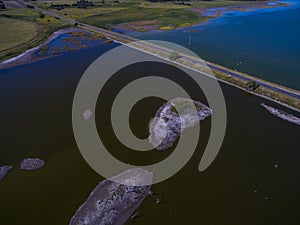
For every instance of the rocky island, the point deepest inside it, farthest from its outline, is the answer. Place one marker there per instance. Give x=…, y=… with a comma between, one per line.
x=168, y=125
x=282, y=114
x=4, y=171
x=114, y=200
x=32, y=164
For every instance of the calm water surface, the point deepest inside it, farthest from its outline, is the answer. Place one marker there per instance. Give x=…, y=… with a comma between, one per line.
x=35, y=117
x=263, y=43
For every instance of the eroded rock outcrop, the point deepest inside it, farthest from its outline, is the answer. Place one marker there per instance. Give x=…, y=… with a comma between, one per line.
x=32, y=164
x=4, y=171
x=113, y=201
x=172, y=118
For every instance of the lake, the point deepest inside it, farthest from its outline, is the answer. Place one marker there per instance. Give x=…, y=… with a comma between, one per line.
x=242, y=186
x=263, y=42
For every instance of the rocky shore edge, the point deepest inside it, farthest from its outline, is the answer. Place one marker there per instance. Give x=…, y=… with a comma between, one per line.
x=32, y=164
x=114, y=200
x=172, y=118
x=4, y=171
x=26, y=164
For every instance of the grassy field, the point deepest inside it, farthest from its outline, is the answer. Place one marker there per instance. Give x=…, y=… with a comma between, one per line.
x=78, y=14
x=15, y=32
x=171, y=18
x=221, y=3
x=24, y=29
x=168, y=15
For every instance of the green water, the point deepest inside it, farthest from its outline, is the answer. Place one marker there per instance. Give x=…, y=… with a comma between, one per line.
x=36, y=102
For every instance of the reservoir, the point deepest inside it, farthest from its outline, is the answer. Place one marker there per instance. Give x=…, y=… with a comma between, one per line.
x=253, y=180
x=262, y=42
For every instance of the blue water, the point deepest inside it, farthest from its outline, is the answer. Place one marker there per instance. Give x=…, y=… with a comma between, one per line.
x=63, y=44
x=263, y=42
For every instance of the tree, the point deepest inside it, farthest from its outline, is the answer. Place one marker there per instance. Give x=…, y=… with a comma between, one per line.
x=252, y=85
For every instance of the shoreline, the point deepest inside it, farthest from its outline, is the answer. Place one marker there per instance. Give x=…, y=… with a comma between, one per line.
x=29, y=55
x=216, y=12
x=271, y=91
x=28, y=59
x=221, y=80
x=206, y=14
x=221, y=11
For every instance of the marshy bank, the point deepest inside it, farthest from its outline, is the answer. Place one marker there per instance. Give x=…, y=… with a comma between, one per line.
x=62, y=41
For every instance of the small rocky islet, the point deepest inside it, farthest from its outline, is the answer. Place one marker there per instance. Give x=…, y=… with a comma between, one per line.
x=172, y=118
x=32, y=164
x=26, y=164
x=115, y=200
x=4, y=171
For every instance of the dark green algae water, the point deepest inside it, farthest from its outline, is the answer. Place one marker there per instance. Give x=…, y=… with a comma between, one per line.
x=36, y=102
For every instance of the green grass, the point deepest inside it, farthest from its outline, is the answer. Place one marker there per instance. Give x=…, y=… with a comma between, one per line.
x=76, y=13
x=167, y=5
x=21, y=36
x=15, y=32
x=167, y=14
x=178, y=17
x=221, y=3
x=171, y=18
x=21, y=13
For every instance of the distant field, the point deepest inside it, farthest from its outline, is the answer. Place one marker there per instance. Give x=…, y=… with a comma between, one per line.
x=169, y=5
x=170, y=18
x=221, y=3
x=107, y=13
x=76, y=13
x=15, y=32
x=18, y=30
